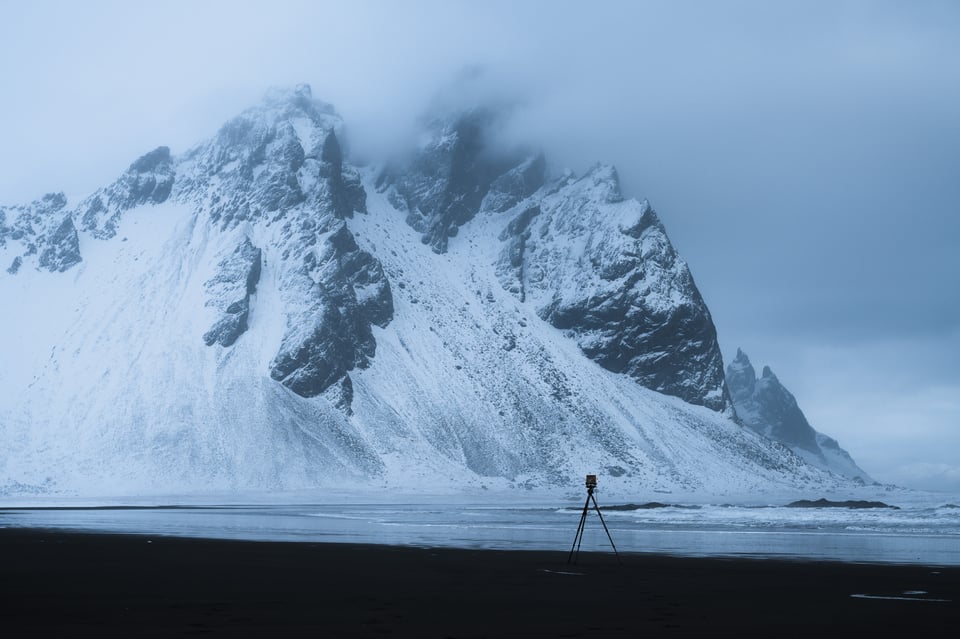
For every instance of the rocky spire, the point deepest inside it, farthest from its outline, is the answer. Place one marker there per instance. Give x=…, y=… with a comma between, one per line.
x=766, y=406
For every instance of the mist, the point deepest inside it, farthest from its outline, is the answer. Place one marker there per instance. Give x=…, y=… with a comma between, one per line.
x=803, y=156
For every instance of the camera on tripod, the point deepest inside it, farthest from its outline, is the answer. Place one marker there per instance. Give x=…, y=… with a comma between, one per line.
x=591, y=483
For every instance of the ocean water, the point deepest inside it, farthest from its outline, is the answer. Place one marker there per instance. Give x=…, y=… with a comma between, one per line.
x=925, y=533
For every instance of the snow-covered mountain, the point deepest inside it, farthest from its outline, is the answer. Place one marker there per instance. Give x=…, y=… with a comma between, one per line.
x=767, y=407
x=258, y=313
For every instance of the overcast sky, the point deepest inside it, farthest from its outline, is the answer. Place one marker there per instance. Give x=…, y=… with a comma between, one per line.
x=804, y=157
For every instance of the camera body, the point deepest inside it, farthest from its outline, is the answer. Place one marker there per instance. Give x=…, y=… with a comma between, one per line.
x=591, y=481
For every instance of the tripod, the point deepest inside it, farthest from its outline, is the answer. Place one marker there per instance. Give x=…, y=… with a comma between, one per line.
x=578, y=538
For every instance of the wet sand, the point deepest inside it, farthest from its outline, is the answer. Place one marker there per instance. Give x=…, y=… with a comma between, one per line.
x=94, y=585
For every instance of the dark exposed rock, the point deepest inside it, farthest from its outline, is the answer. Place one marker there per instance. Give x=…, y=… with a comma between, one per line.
x=853, y=503
x=510, y=270
x=282, y=164
x=344, y=192
x=152, y=162
x=266, y=161
x=228, y=329
x=444, y=184
x=741, y=378
x=650, y=505
x=348, y=292
x=149, y=180
x=603, y=270
x=230, y=290
x=62, y=248
x=40, y=228
x=341, y=394
x=53, y=201
x=766, y=406
x=43, y=229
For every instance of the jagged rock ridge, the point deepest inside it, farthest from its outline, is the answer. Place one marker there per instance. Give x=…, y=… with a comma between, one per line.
x=767, y=407
x=42, y=228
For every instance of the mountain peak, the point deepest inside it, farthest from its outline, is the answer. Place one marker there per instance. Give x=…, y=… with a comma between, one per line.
x=288, y=94
x=741, y=363
x=280, y=107
x=606, y=182
x=151, y=161
x=741, y=377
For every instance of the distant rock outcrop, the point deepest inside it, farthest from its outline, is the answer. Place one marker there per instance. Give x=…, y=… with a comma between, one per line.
x=767, y=407
x=857, y=504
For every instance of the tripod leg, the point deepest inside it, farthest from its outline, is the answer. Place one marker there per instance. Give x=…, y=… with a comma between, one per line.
x=578, y=538
x=583, y=523
x=583, y=529
x=595, y=505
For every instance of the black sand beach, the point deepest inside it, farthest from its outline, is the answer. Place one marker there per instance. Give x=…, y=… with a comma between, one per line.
x=92, y=585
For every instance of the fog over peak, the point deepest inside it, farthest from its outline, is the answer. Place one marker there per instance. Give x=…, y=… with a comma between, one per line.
x=803, y=156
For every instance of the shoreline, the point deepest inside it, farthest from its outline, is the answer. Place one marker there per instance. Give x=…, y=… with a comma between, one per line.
x=95, y=584
x=559, y=550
